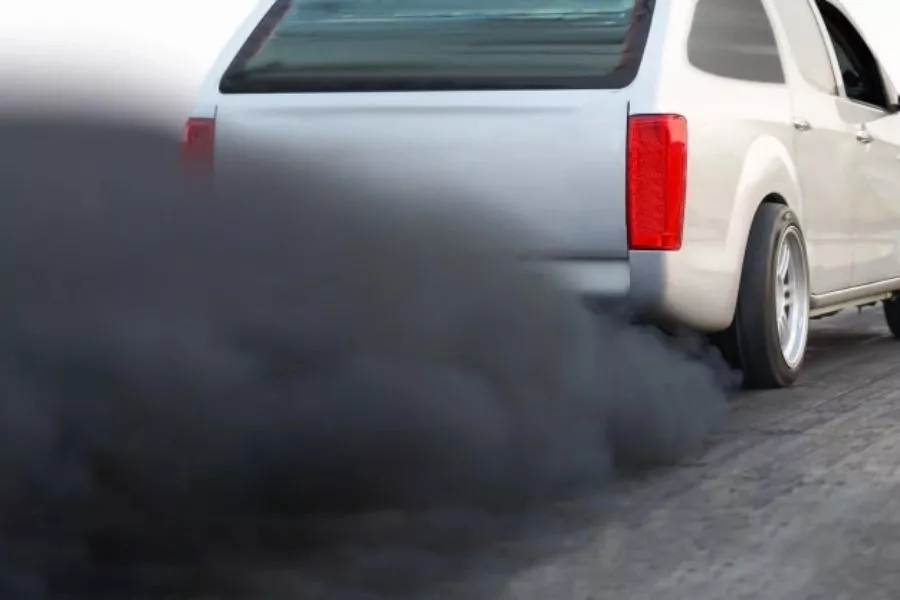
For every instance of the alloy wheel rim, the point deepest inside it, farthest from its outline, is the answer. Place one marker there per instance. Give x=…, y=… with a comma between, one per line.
x=791, y=297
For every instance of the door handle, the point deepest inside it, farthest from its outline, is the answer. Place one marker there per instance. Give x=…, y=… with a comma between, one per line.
x=802, y=125
x=864, y=137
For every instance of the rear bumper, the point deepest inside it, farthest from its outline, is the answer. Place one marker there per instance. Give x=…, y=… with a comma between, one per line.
x=654, y=286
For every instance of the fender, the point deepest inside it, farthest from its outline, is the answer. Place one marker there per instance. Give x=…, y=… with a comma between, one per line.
x=768, y=175
x=698, y=285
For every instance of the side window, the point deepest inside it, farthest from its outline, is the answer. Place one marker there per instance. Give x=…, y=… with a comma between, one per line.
x=859, y=67
x=734, y=39
x=808, y=43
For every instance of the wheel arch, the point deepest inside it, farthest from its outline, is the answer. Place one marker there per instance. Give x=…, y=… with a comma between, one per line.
x=670, y=285
x=768, y=176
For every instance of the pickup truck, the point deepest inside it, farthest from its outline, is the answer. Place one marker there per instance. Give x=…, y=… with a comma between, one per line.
x=729, y=166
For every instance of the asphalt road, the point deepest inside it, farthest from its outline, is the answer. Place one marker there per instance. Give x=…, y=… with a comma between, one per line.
x=797, y=498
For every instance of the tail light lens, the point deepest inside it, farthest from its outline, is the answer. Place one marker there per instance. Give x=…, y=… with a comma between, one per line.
x=197, y=145
x=657, y=181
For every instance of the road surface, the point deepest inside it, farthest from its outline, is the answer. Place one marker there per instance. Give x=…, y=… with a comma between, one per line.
x=797, y=499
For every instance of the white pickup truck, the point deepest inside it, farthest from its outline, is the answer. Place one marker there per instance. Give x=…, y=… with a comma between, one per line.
x=732, y=166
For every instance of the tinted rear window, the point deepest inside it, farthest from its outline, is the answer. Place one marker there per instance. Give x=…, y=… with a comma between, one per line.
x=397, y=45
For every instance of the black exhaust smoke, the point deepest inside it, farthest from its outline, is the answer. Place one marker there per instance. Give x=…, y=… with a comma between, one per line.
x=301, y=385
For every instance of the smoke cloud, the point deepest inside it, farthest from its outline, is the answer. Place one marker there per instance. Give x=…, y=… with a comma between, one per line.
x=298, y=385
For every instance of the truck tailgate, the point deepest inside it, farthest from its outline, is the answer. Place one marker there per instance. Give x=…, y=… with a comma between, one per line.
x=551, y=161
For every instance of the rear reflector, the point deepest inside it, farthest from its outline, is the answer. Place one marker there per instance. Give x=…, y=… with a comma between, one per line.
x=656, y=180
x=197, y=144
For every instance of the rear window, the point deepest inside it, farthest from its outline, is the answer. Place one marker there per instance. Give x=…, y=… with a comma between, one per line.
x=399, y=45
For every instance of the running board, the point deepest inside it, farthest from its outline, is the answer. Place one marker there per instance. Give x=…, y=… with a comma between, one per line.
x=870, y=293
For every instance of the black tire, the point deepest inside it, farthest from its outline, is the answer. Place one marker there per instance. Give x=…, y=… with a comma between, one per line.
x=754, y=333
x=892, y=315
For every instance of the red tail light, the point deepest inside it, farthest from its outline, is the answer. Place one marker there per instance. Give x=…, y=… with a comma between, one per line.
x=657, y=181
x=197, y=145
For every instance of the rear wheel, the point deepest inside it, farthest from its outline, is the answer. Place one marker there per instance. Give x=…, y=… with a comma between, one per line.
x=771, y=323
x=892, y=315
